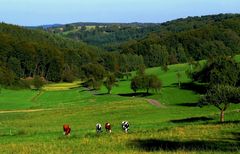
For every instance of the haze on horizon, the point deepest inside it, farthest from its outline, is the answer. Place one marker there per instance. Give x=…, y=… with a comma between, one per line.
x=42, y=12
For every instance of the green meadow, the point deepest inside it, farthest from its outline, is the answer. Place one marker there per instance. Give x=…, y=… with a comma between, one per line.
x=31, y=121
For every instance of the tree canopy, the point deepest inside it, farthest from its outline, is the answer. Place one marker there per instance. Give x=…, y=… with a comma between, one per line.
x=146, y=82
x=220, y=70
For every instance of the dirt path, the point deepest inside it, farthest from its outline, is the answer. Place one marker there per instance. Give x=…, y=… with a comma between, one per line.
x=155, y=103
x=24, y=111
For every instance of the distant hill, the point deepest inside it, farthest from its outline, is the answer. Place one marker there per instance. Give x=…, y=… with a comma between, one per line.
x=177, y=41
x=188, y=39
x=44, y=26
x=110, y=36
x=50, y=26
x=104, y=35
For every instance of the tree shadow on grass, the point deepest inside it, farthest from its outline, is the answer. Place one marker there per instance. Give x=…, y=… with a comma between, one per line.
x=192, y=119
x=197, y=88
x=236, y=135
x=149, y=145
x=83, y=90
x=101, y=94
x=189, y=104
x=140, y=94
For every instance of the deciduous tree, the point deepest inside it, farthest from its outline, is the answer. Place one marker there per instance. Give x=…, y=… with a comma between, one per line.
x=221, y=96
x=110, y=82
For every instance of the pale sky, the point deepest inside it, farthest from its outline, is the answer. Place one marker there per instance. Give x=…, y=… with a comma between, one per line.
x=42, y=12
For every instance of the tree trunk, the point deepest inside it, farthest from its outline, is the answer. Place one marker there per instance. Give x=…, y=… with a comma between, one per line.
x=222, y=116
x=35, y=70
x=179, y=84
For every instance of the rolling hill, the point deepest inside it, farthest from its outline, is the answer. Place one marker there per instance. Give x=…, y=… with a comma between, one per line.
x=177, y=41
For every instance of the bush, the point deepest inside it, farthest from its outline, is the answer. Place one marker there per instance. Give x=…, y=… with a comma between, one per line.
x=38, y=82
x=92, y=84
x=7, y=77
x=32, y=83
x=26, y=82
x=68, y=76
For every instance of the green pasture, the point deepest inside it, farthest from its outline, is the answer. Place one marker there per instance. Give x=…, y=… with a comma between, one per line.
x=177, y=126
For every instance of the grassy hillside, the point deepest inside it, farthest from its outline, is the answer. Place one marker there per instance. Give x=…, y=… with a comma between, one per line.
x=177, y=125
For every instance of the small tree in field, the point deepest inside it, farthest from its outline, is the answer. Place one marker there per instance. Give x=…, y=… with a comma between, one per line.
x=38, y=82
x=221, y=96
x=146, y=82
x=110, y=82
x=136, y=83
x=153, y=83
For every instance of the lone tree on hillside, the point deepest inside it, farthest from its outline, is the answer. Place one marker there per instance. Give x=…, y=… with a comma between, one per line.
x=110, y=82
x=221, y=96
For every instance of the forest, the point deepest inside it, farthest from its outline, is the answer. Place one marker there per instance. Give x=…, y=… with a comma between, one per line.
x=28, y=53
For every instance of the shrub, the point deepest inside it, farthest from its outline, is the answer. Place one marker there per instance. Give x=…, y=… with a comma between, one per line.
x=38, y=82
x=68, y=76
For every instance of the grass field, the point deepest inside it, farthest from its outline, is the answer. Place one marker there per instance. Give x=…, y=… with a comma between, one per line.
x=177, y=126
